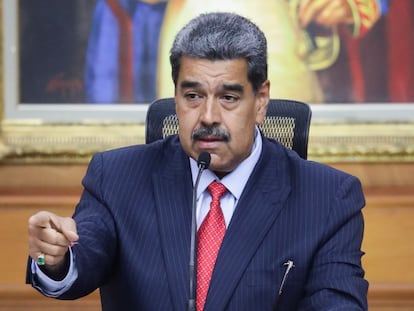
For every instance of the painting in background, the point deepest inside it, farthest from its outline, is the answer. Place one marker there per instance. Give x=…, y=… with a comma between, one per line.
x=116, y=51
x=53, y=36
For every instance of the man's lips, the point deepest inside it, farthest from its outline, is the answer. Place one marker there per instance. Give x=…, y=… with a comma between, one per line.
x=210, y=138
x=208, y=142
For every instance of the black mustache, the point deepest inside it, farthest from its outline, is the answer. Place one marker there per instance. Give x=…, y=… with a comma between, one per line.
x=209, y=131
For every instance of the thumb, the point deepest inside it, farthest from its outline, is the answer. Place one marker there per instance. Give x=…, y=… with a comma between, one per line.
x=66, y=226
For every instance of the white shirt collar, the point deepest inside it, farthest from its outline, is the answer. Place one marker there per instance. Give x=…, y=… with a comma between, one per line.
x=236, y=180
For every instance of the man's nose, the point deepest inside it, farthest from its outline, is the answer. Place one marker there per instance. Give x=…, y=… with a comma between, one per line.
x=210, y=112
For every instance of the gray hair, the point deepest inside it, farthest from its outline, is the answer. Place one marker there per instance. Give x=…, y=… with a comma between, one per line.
x=222, y=36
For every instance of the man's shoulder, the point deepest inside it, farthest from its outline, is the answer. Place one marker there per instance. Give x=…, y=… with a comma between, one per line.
x=142, y=156
x=297, y=165
x=157, y=148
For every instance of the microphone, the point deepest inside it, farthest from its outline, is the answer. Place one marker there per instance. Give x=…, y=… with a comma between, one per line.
x=203, y=163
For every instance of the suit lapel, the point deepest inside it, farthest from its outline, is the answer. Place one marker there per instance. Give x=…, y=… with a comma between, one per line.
x=256, y=212
x=172, y=191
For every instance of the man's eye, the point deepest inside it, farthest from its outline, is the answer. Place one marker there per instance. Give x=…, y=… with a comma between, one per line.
x=229, y=98
x=192, y=96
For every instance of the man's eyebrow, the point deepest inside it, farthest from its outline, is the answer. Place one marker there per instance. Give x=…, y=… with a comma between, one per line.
x=189, y=84
x=233, y=87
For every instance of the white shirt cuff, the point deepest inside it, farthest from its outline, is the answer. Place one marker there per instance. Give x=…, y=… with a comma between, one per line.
x=53, y=288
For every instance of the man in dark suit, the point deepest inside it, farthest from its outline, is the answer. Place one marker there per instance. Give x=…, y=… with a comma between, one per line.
x=292, y=228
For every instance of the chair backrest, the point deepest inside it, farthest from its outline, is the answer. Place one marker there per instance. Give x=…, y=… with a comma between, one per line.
x=287, y=121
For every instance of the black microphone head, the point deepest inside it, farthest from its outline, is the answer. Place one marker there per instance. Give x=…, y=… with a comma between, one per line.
x=204, y=160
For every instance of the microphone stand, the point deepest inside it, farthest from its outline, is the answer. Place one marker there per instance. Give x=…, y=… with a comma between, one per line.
x=203, y=163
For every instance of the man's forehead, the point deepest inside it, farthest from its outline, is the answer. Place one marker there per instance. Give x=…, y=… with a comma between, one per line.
x=227, y=73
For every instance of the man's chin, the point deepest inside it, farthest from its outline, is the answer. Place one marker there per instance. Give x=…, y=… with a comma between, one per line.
x=217, y=167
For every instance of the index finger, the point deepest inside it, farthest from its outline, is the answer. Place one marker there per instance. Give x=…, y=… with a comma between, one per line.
x=41, y=220
x=46, y=220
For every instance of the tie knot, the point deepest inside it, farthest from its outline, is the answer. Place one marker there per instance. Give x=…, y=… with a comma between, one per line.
x=216, y=190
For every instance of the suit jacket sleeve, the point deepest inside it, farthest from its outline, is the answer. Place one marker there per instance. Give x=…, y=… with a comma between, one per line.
x=97, y=239
x=336, y=279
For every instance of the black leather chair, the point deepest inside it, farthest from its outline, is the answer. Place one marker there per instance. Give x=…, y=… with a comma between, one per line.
x=287, y=121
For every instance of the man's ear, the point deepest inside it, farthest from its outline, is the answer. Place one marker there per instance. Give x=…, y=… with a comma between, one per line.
x=262, y=101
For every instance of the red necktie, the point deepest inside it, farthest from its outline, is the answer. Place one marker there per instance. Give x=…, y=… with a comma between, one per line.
x=210, y=236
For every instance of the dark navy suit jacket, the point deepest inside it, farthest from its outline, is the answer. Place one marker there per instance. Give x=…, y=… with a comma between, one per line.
x=134, y=220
